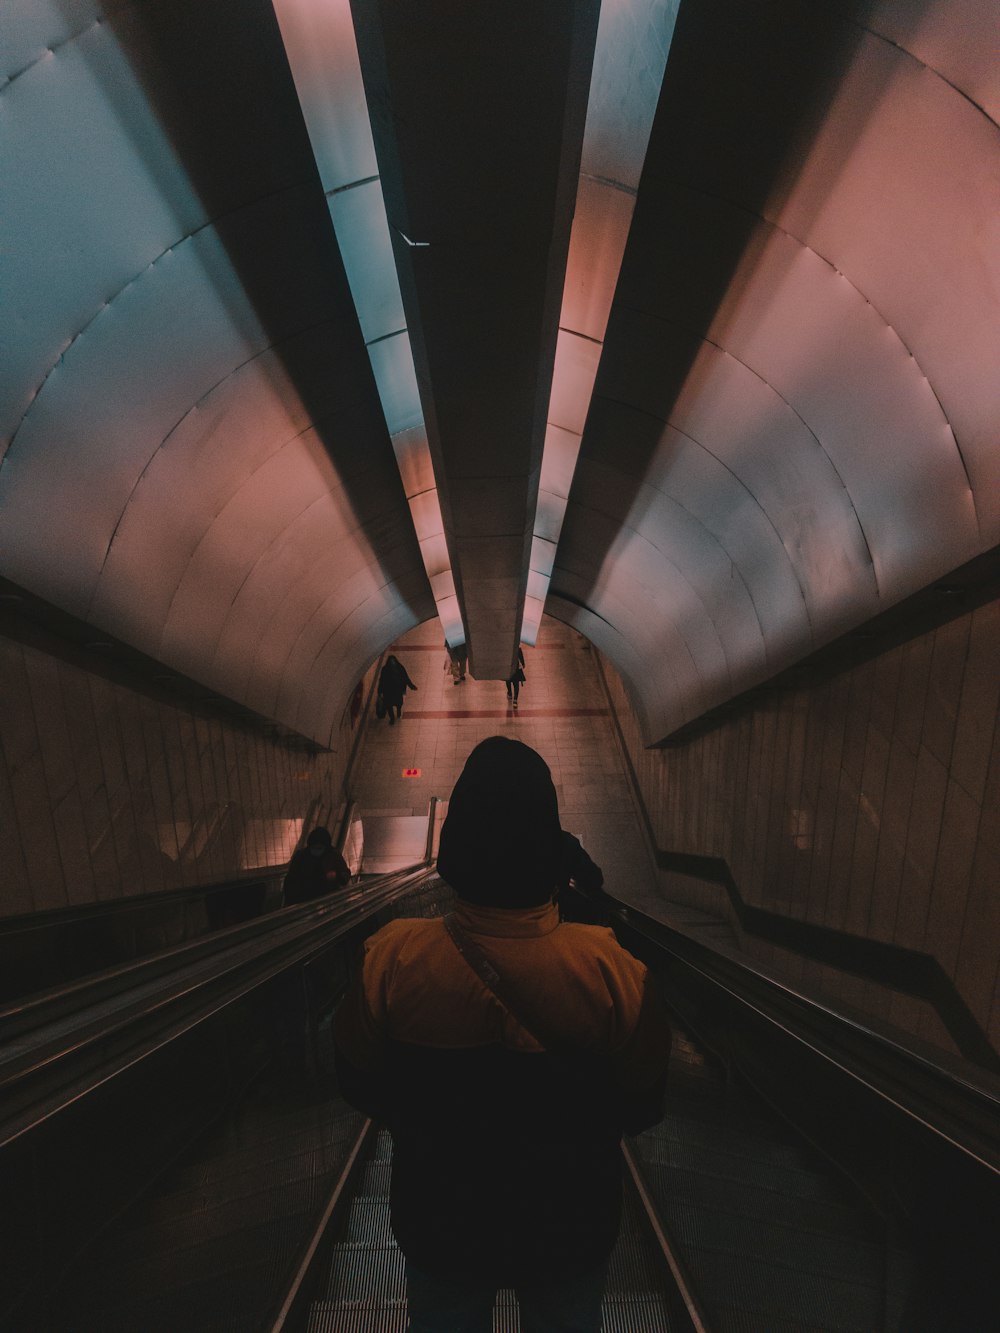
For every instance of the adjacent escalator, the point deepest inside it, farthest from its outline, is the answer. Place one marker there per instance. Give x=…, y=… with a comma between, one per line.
x=804, y=1179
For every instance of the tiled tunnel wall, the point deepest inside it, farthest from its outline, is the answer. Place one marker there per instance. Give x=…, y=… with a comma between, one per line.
x=106, y=792
x=868, y=802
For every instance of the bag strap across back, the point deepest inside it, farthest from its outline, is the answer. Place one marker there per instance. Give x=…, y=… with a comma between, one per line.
x=515, y=1005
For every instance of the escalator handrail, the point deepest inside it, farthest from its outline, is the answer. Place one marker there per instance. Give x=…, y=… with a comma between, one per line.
x=955, y=1101
x=27, y=1012
x=71, y=1040
x=17, y=1016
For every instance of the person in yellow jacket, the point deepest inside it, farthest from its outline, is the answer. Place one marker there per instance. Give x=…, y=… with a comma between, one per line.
x=507, y=1052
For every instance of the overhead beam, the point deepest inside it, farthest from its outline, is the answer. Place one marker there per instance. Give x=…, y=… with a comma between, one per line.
x=477, y=112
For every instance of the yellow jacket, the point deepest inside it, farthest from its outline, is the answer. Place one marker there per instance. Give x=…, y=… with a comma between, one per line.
x=505, y=1156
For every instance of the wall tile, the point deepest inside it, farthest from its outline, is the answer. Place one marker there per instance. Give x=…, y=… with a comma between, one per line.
x=50, y=723
x=78, y=707
x=829, y=789
x=762, y=776
x=98, y=822
x=977, y=963
x=979, y=699
x=794, y=851
x=39, y=845
x=152, y=871
x=885, y=690
x=15, y=887
x=17, y=713
x=841, y=853
x=107, y=792
x=124, y=827
x=74, y=849
x=859, y=706
x=952, y=873
x=944, y=688
x=900, y=779
x=926, y=812
x=866, y=832
x=777, y=831
x=882, y=772
x=914, y=679
x=162, y=831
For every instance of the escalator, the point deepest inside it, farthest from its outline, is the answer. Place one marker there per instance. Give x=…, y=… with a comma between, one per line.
x=731, y=1222
x=809, y=1175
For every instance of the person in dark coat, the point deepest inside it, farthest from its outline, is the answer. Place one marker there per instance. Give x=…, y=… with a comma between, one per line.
x=456, y=661
x=315, y=869
x=506, y=1110
x=393, y=682
x=516, y=678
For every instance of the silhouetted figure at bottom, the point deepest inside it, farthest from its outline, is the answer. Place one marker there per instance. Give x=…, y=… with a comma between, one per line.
x=507, y=1053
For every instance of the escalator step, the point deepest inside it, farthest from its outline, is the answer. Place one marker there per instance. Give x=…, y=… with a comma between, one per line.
x=374, y=1182
x=365, y=1290
x=639, y=1315
x=382, y=1148
x=368, y=1223
x=642, y=1314
x=367, y=1276
x=325, y=1317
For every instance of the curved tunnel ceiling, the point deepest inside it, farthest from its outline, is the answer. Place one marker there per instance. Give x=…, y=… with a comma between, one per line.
x=795, y=421
x=195, y=458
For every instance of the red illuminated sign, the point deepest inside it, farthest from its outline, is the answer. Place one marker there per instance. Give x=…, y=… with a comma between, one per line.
x=411, y=772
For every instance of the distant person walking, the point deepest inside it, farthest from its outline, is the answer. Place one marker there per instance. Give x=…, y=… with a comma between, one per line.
x=516, y=678
x=393, y=682
x=457, y=661
x=315, y=869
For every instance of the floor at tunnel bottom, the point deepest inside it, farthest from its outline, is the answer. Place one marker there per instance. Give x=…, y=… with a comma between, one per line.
x=562, y=713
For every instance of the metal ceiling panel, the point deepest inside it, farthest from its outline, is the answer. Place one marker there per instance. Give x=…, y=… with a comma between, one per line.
x=650, y=548
x=82, y=215
x=925, y=257
x=804, y=307
x=186, y=379
x=358, y=216
x=958, y=40
x=32, y=29
x=191, y=480
x=600, y=230
x=392, y=362
x=796, y=405
x=323, y=55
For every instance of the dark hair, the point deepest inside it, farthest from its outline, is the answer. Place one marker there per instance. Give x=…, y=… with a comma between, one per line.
x=319, y=836
x=501, y=840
